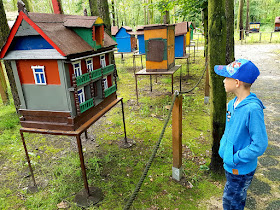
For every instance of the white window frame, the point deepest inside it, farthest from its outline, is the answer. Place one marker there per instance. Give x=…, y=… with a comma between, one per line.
x=89, y=65
x=105, y=82
x=102, y=61
x=42, y=75
x=81, y=96
x=77, y=70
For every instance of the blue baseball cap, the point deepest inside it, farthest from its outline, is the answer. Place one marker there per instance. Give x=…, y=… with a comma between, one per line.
x=241, y=69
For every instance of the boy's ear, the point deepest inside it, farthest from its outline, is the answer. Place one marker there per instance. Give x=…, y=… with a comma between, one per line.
x=237, y=83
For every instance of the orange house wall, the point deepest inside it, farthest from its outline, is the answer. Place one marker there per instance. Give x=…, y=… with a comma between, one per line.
x=26, y=75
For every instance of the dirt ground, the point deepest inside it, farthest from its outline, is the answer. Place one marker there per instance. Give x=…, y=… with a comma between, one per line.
x=264, y=192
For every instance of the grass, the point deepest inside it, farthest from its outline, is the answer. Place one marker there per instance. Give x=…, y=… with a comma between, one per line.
x=114, y=170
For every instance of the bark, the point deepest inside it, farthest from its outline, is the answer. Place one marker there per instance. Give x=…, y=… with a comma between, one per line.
x=4, y=33
x=113, y=13
x=230, y=31
x=166, y=18
x=3, y=87
x=240, y=19
x=150, y=13
x=205, y=25
x=247, y=16
x=217, y=56
x=145, y=14
x=100, y=8
x=27, y=5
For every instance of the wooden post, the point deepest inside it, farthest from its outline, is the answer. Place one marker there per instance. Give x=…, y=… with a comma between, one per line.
x=3, y=87
x=177, y=138
x=271, y=37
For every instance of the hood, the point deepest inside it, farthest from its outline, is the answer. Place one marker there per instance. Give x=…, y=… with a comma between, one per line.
x=252, y=98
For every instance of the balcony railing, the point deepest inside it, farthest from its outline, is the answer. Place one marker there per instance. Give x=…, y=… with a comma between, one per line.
x=110, y=90
x=95, y=74
x=86, y=105
x=108, y=69
x=80, y=80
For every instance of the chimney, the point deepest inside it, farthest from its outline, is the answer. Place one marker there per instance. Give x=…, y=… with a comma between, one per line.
x=21, y=7
x=57, y=7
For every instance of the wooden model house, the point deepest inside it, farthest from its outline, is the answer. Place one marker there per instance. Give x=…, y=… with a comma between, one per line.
x=114, y=31
x=277, y=24
x=63, y=67
x=181, y=30
x=140, y=37
x=189, y=35
x=126, y=40
x=255, y=26
x=160, y=47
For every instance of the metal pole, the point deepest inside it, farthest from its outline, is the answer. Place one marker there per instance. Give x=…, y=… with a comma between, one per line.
x=151, y=85
x=125, y=138
x=136, y=88
x=27, y=157
x=271, y=37
x=80, y=149
x=172, y=83
x=86, y=134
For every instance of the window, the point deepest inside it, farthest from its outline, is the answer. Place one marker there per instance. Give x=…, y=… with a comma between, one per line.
x=105, y=82
x=81, y=95
x=89, y=64
x=77, y=68
x=102, y=61
x=39, y=75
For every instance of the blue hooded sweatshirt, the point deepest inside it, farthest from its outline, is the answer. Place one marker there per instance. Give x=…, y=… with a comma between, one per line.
x=245, y=135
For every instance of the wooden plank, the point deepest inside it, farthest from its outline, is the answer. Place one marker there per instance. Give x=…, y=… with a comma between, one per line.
x=44, y=113
x=177, y=132
x=169, y=72
x=87, y=124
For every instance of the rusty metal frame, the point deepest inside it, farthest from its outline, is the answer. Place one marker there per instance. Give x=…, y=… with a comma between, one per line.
x=77, y=133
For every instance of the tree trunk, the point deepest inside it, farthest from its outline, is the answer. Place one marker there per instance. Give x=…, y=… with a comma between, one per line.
x=145, y=14
x=205, y=25
x=247, y=17
x=4, y=33
x=230, y=31
x=166, y=18
x=27, y=5
x=240, y=19
x=113, y=13
x=150, y=13
x=100, y=8
x=3, y=87
x=217, y=56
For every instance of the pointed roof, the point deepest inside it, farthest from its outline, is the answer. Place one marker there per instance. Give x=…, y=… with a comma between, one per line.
x=181, y=28
x=56, y=30
x=114, y=30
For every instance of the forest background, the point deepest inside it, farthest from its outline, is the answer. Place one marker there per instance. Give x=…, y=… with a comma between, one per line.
x=141, y=12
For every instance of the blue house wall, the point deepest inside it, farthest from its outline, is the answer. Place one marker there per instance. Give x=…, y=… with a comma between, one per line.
x=179, y=46
x=141, y=43
x=123, y=40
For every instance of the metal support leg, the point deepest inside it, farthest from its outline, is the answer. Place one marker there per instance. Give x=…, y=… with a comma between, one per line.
x=180, y=79
x=28, y=160
x=172, y=83
x=151, y=85
x=136, y=88
x=141, y=62
x=127, y=143
x=80, y=149
x=125, y=138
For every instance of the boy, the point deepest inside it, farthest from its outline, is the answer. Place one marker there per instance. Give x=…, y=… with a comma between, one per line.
x=245, y=135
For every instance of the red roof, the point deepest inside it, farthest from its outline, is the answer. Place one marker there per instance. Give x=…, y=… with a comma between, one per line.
x=55, y=29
